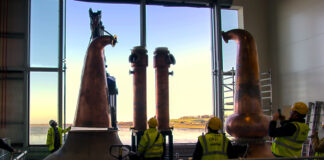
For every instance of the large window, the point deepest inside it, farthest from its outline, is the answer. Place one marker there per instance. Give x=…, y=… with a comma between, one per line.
x=43, y=104
x=229, y=21
x=45, y=69
x=44, y=31
x=185, y=31
x=120, y=19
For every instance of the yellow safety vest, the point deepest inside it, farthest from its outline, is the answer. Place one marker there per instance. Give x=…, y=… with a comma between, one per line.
x=291, y=146
x=214, y=146
x=51, y=134
x=149, y=145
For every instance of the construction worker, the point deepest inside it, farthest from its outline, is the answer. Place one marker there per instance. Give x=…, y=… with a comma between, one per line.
x=151, y=143
x=54, y=136
x=318, y=145
x=289, y=138
x=213, y=145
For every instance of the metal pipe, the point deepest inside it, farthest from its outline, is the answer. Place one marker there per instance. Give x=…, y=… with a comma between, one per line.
x=143, y=22
x=162, y=61
x=139, y=60
x=60, y=65
x=93, y=107
x=217, y=60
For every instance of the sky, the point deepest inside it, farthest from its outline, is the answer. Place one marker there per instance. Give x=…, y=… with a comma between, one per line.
x=185, y=31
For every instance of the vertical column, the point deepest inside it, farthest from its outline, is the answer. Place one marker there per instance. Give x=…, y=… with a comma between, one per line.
x=162, y=61
x=139, y=61
x=143, y=22
x=60, y=65
x=217, y=59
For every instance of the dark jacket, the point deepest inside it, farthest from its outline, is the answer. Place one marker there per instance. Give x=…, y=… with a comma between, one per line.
x=286, y=129
x=5, y=146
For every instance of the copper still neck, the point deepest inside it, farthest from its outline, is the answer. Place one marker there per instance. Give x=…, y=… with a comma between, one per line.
x=248, y=120
x=139, y=61
x=93, y=108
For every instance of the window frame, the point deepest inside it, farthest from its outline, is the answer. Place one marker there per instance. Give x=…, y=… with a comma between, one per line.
x=216, y=56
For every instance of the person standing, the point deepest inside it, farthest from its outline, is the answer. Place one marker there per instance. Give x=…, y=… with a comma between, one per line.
x=213, y=145
x=151, y=143
x=289, y=138
x=54, y=136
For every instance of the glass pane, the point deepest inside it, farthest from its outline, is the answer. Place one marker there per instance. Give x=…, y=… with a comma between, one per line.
x=229, y=21
x=120, y=19
x=187, y=34
x=43, y=104
x=44, y=33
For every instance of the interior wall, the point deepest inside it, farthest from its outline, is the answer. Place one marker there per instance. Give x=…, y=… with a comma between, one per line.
x=255, y=21
x=289, y=36
x=297, y=50
x=13, y=51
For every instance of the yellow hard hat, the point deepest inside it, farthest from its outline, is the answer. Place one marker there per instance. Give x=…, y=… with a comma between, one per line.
x=215, y=123
x=152, y=122
x=300, y=107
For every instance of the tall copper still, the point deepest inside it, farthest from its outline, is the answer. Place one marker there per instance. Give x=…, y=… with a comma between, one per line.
x=92, y=111
x=139, y=61
x=247, y=124
x=162, y=61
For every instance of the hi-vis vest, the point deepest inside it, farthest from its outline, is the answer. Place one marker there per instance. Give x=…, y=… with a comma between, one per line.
x=291, y=146
x=149, y=145
x=320, y=154
x=51, y=136
x=214, y=146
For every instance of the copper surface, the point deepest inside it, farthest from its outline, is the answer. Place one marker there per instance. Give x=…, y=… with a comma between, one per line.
x=139, y=61
x=87, y=145
x=161, y=65
x=248, y=120
x=93, y=108
x=247, y=124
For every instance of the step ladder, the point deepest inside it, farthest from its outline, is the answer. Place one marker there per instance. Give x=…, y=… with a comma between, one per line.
x=266, y=92
x=229, y=90
x=313, y=120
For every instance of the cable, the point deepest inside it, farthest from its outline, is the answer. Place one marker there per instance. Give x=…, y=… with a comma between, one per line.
x=246, y=151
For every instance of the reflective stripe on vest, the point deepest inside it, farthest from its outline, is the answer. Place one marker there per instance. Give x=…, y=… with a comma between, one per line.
x=211, y=151
x=291, y=146
x=153, y=148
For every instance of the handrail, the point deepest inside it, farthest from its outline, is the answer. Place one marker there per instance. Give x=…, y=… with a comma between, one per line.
x=21, y=155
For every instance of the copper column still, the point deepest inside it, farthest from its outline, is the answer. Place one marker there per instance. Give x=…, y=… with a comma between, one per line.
x=247, y=124
x=139, y=61
x=162, y=61
x=92, y=111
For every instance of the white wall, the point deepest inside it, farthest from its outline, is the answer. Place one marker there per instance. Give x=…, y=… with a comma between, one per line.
x=255, y=21
x=297, y=50
x=290, y=40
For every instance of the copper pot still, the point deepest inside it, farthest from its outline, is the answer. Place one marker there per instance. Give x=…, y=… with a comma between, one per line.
x=90, y=137
x=248, y=124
